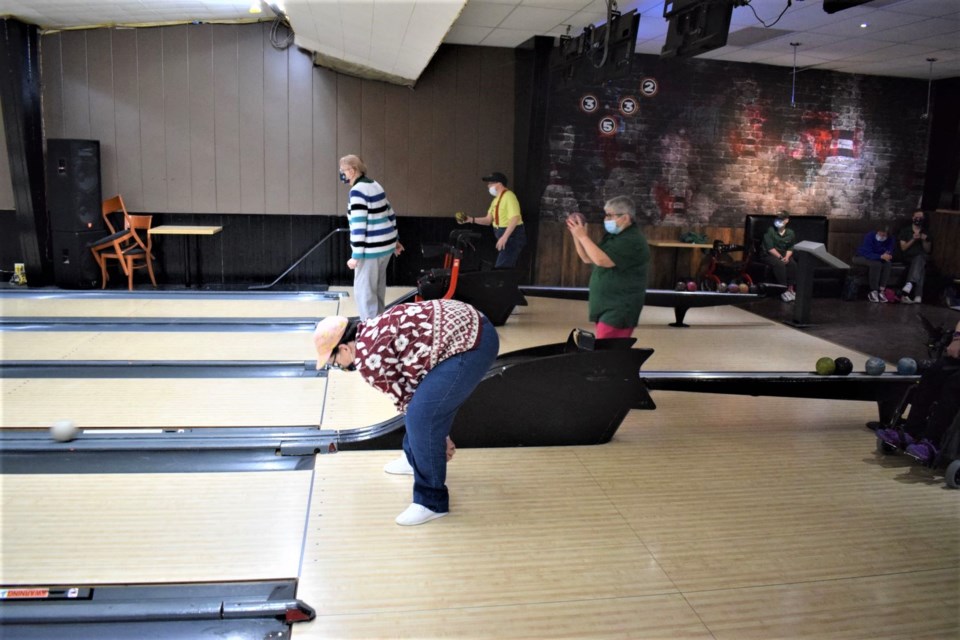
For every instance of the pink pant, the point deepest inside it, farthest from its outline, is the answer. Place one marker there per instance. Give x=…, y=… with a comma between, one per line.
x=606, y=331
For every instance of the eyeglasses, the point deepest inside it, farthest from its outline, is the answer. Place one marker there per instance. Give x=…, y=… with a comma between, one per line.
x=333, y=364
x=611, y=216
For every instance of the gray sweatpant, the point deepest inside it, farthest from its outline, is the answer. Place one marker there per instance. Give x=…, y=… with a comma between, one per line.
x=370, y=286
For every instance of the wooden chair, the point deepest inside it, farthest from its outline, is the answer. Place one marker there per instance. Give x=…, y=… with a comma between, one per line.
x=132, y=252
x=115, y=216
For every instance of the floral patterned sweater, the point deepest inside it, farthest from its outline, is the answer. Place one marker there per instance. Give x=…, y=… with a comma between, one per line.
x=396, y=349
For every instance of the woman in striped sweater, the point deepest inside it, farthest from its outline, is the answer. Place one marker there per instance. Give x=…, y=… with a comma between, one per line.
x=373, y=236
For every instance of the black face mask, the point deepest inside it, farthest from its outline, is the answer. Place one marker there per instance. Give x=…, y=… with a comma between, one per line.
x=343, y=178
x=918, y=222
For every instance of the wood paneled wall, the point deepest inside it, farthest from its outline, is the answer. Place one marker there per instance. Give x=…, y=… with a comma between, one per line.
x=213, y=119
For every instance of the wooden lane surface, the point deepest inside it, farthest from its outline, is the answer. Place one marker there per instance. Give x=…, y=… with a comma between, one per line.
x=151, y=527
x=213, y=306
x=720, y=517
x=712, y=517
x=543, y=322
x=345, y=403
x=164, y=402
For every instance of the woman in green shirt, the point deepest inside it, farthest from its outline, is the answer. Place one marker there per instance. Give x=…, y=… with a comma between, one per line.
x=618, y=283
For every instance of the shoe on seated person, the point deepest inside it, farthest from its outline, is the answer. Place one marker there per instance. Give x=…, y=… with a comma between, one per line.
x=905, y=298
x=785, y=296
x=923, y=451
x=399, y=467
x=418, y=514
x=895, y=437
x=873, y=296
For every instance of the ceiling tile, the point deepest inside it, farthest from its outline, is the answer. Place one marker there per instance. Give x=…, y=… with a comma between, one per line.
x=536, y=19
x=507, y=38
x=484, y=14
x=460, y=34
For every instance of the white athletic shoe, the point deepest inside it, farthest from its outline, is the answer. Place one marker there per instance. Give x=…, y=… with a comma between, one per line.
x=785, y=296
x=905, y=299
x=418, y=514
x=399, y=467
x=873, y=296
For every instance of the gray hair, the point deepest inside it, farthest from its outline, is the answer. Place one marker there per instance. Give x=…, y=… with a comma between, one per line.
x=622, y=204
x=354, y=162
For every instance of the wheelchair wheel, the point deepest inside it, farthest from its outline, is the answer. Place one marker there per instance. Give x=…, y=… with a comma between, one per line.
x=952, y=475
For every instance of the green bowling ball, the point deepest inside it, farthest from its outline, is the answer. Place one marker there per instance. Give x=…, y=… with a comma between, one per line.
x=826, y=366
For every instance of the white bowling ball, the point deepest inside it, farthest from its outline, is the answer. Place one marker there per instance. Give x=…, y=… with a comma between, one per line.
x=64, y=430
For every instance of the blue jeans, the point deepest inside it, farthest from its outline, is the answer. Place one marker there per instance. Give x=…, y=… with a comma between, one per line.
x=507, y=259
x=430, y=415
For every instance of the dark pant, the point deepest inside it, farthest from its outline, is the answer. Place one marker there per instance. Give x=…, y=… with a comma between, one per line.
x=507, y=259
x=430, y=415
x=878, y=272
x=783, y=273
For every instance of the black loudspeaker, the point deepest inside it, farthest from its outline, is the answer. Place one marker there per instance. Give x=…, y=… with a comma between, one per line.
x=73, y=263
x=73, y=185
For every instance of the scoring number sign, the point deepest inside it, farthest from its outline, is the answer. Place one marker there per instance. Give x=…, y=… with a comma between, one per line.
x=589, y=103
x=649, y=87
x=608, y=126
x=629, y=106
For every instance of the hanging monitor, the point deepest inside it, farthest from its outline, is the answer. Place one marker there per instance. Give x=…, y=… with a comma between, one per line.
x=695, y=26
x=599, y=53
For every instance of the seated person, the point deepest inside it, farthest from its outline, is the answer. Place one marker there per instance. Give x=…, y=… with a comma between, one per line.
x=876, y=253
x=915, y=245
x=933, y=408
x=777, y=248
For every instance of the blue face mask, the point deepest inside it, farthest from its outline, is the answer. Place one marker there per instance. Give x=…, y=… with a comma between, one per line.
x=610, y=226
x=343, y=178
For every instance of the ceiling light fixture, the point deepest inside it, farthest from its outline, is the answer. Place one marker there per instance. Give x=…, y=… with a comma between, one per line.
x=929, y=86
x=255, y=7
x=793, y=89
x=864, y=25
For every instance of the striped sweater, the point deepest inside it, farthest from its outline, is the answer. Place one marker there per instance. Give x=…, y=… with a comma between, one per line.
x=373, y=224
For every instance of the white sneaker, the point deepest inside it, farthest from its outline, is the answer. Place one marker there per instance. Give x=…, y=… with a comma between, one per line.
x=873, y=296
x=785, y=296
x=918, y=300
x=418, y=514
x=905, y=299
x=399, y=467
x=792, y=294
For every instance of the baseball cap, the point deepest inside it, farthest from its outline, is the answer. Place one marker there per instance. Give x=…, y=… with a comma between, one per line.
x=496, y=176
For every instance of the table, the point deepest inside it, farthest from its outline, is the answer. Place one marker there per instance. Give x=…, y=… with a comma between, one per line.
x=185, y=231
x=676, y=246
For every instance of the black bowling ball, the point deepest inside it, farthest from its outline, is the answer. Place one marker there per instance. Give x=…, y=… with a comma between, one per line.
x=843, y=366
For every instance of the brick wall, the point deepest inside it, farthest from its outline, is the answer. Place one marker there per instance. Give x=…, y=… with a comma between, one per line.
x=702, y=142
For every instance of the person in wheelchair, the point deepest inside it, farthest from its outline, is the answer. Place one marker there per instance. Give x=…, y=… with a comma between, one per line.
x=934, y=406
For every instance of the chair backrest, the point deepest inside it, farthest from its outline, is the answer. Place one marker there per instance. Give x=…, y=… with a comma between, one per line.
x=110, y=208
x=140, y=225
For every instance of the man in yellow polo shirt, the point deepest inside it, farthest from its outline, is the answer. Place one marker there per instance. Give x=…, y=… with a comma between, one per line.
x=504, y=215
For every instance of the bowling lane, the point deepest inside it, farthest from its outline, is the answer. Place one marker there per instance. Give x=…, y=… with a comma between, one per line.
x=342, y=401
x=187, y=305
x=136, y=528
x=158, y=345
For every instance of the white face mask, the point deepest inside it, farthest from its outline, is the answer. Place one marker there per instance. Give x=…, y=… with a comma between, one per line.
x=881, y=238
x=493, y=191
